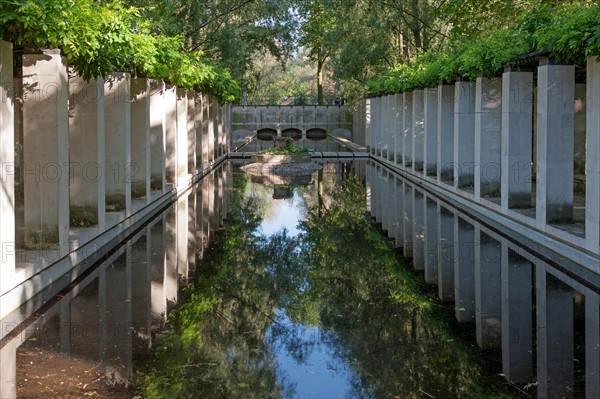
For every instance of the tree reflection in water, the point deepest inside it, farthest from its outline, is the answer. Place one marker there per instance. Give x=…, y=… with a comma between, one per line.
x=340, y=279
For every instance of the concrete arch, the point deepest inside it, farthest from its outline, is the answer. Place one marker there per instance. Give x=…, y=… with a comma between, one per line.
x=316, y=134
x=292, y=132
x=266, y=134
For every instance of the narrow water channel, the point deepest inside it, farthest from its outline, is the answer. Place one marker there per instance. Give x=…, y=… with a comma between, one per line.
x=246, y=289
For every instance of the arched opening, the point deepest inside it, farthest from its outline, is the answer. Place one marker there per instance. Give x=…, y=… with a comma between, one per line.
x=294, y=133
x=266, y=134
x=316, y=134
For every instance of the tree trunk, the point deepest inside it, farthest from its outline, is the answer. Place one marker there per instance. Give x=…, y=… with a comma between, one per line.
x=320, y=63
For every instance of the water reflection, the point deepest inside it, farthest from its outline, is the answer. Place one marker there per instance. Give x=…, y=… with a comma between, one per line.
x=299, y=297
x=539, y=315
x=90, y=339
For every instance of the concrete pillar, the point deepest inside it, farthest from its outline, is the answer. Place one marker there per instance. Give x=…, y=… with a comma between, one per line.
x=592, y=345
x=517, y=339
x=191, y=232
x=431, y=128
x=141, y=252
x=445, y=133
x=464, y=270
x=158, y=259
x=393, y=125
x=205, y=128
x=376, y=124
x=385, y=126
x=418, y=115
x=407, y=225
x=431, y=240
x=45, y=150
x=182, y=136
x=398, y=127
x=555, y=348
x=211, y=129
x=447, y=245
x=117, y=121
x=418, y=218
x=555, y=130
x=170, y=110
x=139, y=172
x=592, y=157
x=7, y=175
x=407, y=119
x=517, y=139
x=369, y=126
x=86, y=152
x=580, y=127
x=198, y=117
x=488, y=309
x=464, y=134
x=158, y=139
x=488, y=142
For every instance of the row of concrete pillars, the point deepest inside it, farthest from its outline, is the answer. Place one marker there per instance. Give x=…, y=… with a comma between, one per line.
x=522, y=146
x=77, y=154
x=111, y=316
x=519, y=304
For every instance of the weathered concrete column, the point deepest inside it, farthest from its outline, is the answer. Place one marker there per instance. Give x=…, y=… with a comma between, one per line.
x=117, y=120
x=555, y=138
x=464, y=134
x=431, y=127
x=464, y=270
x=488, y=142
x=86, y=152
x=385, y=126
x=407, y=224
x=554, y=303
x=170, y=110
x=191, y=232
x=418, y=118
x=368, y=126
x=517, y=339
x=445, y=133
x=431, y=240
x=198, y=117
x=182, y=135
x=445, y=256
x=592, y=157
x=592, y=345
x=488, y=311
x=398, y=127
x=393, y=125
x=158, y=139
x=46, y=150
x=517, y=138
x=407, y=118
x=212, y=129
x=7, y=175
x=140, y=139
x=376, y=124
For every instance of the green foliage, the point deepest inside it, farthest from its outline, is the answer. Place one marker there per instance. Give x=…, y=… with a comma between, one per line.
x=99, y=38
x=292, y=149
x=569, y=31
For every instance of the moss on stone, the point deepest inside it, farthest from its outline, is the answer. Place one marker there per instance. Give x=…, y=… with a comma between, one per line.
x=83, y=216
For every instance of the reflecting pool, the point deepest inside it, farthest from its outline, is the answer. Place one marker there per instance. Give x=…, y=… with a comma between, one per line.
x=349, y=283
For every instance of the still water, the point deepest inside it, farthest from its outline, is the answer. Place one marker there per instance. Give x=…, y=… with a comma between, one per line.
x=243, y=289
